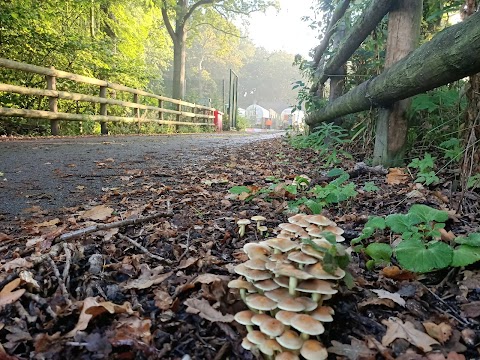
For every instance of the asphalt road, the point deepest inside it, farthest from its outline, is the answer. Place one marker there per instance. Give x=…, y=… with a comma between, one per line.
x=53, y=173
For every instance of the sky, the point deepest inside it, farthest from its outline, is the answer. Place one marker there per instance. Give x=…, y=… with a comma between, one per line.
x=284, y=30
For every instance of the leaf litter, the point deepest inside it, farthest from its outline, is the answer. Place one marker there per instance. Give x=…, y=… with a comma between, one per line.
x=142, y=271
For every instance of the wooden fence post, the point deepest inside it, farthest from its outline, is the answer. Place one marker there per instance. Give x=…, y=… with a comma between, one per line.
x=53, y=103
x=160, y=113
x=179, y=108
x=136, y=112
x=103, y=110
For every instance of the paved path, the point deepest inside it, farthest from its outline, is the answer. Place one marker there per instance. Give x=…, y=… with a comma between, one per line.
x=53, y=173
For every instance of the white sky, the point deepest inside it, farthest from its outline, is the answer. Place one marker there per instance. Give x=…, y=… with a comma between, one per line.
x=284, y=30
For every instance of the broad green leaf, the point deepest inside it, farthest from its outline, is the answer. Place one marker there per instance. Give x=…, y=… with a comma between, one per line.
x=428, y=214
x=376, y=222
x=400, y=223
x=416, y=256
x=314, y=206
x=239, y=190
x=379, y=251
x=370, y=187
x=465, y=255
x=335, y=172
x=292, y=189
x=471, y=240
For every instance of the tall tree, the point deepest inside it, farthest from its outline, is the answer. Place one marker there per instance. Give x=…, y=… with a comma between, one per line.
x=176, y=15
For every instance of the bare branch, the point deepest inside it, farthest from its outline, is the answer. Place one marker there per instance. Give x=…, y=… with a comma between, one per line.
x=167, y=22
x=194, y=7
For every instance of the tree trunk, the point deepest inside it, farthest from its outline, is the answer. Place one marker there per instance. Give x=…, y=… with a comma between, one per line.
x=337, y=83
x=392, y=124
x=451, y=55
x=179, y=60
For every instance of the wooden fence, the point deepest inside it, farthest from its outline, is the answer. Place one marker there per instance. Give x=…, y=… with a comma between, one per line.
x=196, y=115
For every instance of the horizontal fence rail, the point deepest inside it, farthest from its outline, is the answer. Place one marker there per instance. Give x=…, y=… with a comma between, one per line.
x=197, y=115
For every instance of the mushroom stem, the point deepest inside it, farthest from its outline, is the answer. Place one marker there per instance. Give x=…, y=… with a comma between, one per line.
x=243, y=294
x=241, y=230
x=292, y=285
x=249, y=328
x=304, y=336
x=317, y=298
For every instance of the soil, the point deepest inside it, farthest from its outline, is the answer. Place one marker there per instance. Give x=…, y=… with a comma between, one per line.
x=157, y=289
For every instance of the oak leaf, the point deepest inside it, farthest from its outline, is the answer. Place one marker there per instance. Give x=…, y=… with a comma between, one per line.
x=202, y=308
x=441, y=332
x=396, y=329
x=383, y=294
x=8, y=296
x=396, y=176
x=357, y=351
x=100, y=212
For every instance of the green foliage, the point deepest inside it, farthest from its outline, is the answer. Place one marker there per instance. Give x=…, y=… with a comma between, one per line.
x=370, y=186
x=242, y=123
x=452, y=149
x=473, y=182
x=379, y=253
x=420, y=249
x=425, y=173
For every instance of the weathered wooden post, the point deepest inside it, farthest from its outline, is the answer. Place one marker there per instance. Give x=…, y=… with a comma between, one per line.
x=103, y=110
x=136, y=112
x=392, y=125
x=53, y=103
x=179, y=108
x=160, y=113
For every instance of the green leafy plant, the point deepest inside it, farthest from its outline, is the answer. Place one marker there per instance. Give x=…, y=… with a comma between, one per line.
x=370, y=187
x=379, y=253
x=473, y=182
x=425, y=173
x=452, y=149
x=420, y=249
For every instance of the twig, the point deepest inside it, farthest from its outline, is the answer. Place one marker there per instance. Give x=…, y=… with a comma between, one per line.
x=88, y=230
x=23, y=313
x=455, y=314
x=60, y=280
x=42, y=302
x=141, y=247
x=185, y=253
x=68, y=262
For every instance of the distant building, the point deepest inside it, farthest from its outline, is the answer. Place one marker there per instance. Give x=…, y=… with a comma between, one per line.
x=257, y=115
x=241, y=112
x=294, y=120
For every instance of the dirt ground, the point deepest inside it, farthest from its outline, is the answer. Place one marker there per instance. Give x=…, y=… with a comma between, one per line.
x=128, y=255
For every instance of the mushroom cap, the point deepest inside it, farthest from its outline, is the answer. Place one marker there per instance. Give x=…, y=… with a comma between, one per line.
x=291, y=228
x=313, y=350
x=309, y=304
x=301, y=258
x=290, y=304
x=258, y=218
x=258, y=319
x=318, y=272
x=277, y=294
x=286, y=355
x=299, y=219
x=269, y=347
x=255, y=264
x=316, y=286
x=323, y=314
x=285, y=235
x=290, y=340
x=247, y=344
x=272, y=327
x=256, y=337
x=256, y=251
x=291, y=271
x=283, y=245
x=285, y=317
x=283, y=281
x=307, y=324
x=260, y=302
x=266, y=285
x=320, y=220
x=243, y=222
x=318, y=232
x=281, y=258
x=309, y=250
x=244, y=317
x=255, y=275
x=241, y=284
x=334, y=229
x=262, y=228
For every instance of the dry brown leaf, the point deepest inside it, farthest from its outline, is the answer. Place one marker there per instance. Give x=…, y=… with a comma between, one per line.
x=394, y=272
x=92, y=308
x=203, y=308
x=357, y=351
x=376, y=301
x=440, y=332
x=27, y=277
x=4, y=237
x=8, y=296
x=16, y=263
x=397, y=176
x=210, y=278
x=396, y=329
x=48, y=223
x=148, y=278
x=163, y=300
x=447, y=236
x=472, y=309
x=185, y=263
x=100, y=212
x=451, y=356
x=132, y=328
x=383, y=294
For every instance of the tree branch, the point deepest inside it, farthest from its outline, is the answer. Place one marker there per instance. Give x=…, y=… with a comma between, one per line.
x=226, y=32
x=166, y=20
x=194, y=7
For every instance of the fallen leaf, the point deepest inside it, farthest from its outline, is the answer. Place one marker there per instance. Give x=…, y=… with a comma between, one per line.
x=440, y=332
x=48, y=223
x=100, y=212
x=16, y=263
x=358, y=350
x=163, y=300
x=148, y=278
x=394, y=272
x=4, y=237
x=8, y=296
x=383, y=294
x=132, y=328
x=397, y=176
x=450, y=356
x=185, y=263
x=447, y=236
x=472, y=309
x=210, y=278
x=27, y=277
x=203, y=308
x=396, y=329
x=376, y=301
x=92, y=308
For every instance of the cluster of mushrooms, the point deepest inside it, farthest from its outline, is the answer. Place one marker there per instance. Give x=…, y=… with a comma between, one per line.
x=284, y=286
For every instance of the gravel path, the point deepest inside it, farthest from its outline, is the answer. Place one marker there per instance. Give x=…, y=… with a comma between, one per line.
x=63, y=172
